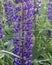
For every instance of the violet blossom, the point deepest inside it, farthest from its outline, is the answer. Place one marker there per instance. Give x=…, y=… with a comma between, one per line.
x=22, y=29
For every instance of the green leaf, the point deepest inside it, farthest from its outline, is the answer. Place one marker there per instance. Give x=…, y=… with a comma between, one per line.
x=8, y=60
x=1, y=62
x=1, y=55
x=9, y=45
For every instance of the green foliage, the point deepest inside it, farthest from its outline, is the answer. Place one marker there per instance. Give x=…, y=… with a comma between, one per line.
x=42, y=49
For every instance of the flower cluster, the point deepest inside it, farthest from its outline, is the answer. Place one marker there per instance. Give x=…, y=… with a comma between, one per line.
x=50, y=11
x=49, y=15
x=23, y=28
x=22, y=37
x=1, y=35
x=20, y=1
x=8, y=10
x=37, y=5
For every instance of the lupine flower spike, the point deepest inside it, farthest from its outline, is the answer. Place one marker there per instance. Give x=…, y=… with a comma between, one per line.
x=25, y=48
x=49, y=14
x=1, y=34
x=37, y=6
x=22, y=29
x=50, y=11
x=8, y=10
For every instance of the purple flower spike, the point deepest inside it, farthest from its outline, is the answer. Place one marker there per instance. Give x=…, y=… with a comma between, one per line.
x=20, y=1
x=37, y=6
x=22, y=29
x=8, y=10
x=1, y=34
x=49, y=14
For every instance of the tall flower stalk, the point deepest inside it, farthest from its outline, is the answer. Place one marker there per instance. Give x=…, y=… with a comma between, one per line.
x=50, y=11
x=1, y=33
x=49, y=14
x=37, y=5
x=22, y=37
x=25, y=48
x=8, y=11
